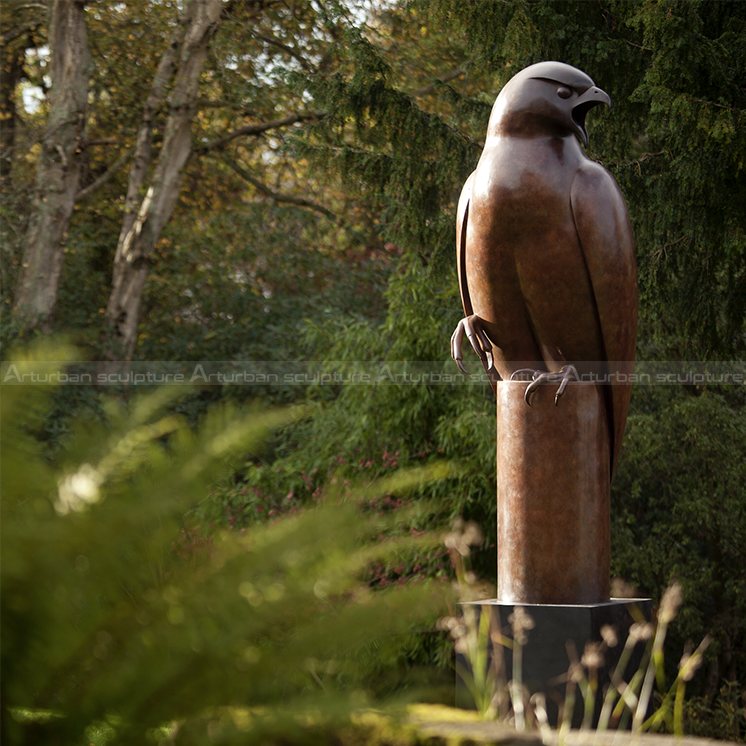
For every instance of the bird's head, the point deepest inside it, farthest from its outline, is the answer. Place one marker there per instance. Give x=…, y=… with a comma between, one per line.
x=546, y=98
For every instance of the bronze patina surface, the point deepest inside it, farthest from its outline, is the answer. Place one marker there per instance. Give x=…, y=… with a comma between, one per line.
x=545, y=252
x=552, y=496
x=548, y=278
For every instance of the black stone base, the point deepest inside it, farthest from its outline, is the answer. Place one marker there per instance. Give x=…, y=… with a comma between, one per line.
x=545, y=655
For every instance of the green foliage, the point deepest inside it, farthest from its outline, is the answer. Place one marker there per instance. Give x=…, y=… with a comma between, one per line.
x=385, y=144
x=695, y=260
x=405, y=158
x=230, y=279
x=245, y=283
x=678, y=510
x=726, y=722
x=116, y=611
x=672, y=142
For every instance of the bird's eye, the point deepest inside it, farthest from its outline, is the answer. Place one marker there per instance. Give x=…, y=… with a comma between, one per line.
x=564, y=92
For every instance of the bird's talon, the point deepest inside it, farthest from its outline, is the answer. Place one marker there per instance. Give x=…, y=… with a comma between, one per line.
x=470, y=327
x=564, y=376
x=536, y=381
x=524, y=370
x=560, y=390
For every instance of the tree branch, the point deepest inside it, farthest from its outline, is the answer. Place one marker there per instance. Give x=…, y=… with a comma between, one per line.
x=287, y=48
x=637, y=46
x=106, y=176
x=663, y=251
x=719, y=106
x=98, y=141
x=53, y=130
x=18, y=31
x=277, y=196
x=257, y=129
x=260, y=6
x=637, y=162
x=442, y=79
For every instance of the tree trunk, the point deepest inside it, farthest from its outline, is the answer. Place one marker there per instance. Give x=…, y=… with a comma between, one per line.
x=150, y=204
x=58, y=172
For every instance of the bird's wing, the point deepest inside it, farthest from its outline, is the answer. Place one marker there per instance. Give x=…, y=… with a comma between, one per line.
x=462, y=224
x=462, y=219
x=605, y=234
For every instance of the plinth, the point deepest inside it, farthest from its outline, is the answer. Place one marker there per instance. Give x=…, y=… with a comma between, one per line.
x=553, y=536
x=553, y=476
x=545, y=655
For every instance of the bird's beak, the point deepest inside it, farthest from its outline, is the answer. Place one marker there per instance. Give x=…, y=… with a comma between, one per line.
x=584, y=103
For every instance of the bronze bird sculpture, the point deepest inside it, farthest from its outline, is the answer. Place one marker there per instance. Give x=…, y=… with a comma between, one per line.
x=546, y=258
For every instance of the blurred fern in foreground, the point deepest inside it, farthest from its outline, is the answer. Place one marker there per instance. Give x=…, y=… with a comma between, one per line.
x=118, y=615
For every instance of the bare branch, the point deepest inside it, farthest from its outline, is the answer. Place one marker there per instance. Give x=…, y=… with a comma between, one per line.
x=260, y=5
x=719, y=106
x=98, y=141
x=63, y=157
x=637, y=163
x=206, y=103
x=83, y=143
x=663, y=251
x=637, y=46
x=277, y=196
x=285, y=47
x=258, y=129
x=106, y=176
x=18, y=31
x=53, y=130
x=443, y=79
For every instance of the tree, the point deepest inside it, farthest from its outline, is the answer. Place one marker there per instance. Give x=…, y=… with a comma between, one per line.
x=405, y=94
x=684, y=517
x=58, y=172
x=412, y=159
x=150, y=202
x=196, y=107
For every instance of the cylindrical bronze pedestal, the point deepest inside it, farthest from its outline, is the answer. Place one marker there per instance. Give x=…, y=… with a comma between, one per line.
x=552, y=496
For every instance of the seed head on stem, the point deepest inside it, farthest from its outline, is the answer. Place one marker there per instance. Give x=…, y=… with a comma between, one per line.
x=521, y=622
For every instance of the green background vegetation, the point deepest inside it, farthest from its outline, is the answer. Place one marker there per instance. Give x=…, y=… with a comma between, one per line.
x=364, y=272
